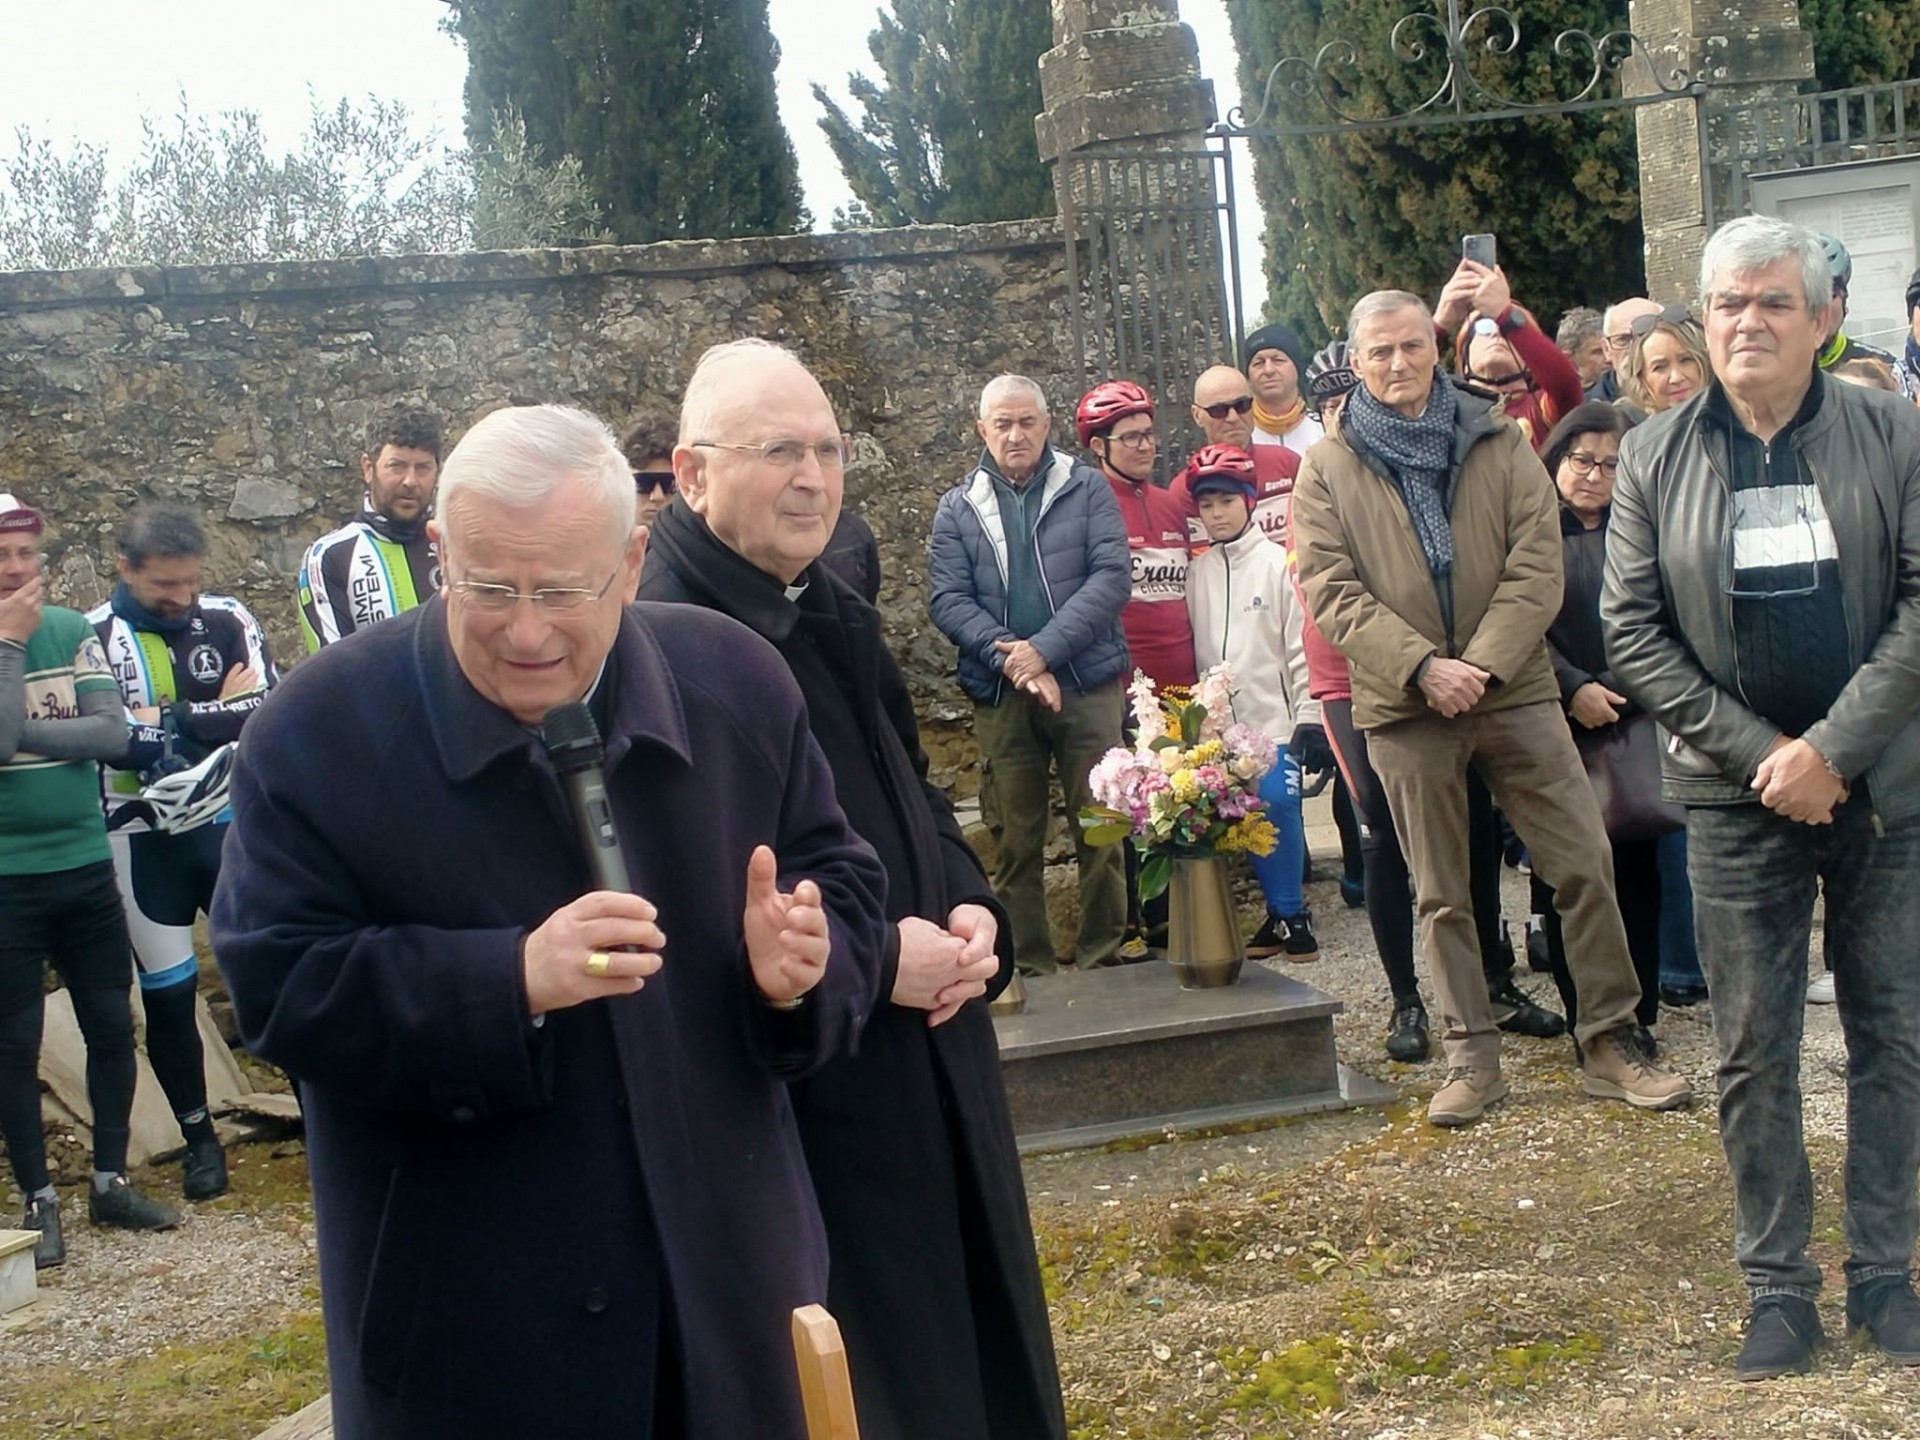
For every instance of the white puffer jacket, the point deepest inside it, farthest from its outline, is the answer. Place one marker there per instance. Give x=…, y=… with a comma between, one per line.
x=1246, y=613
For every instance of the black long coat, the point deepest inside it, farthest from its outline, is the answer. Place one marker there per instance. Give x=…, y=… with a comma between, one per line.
x=517, y=1221
x=934, y=1279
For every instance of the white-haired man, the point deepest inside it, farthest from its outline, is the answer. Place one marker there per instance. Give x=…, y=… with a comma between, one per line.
x=1428, y=542
x=1762, y=600
x=933, y=1280
x=557, y=1181
x=1029, y=571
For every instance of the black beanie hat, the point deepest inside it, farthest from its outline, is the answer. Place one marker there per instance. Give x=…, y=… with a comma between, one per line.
x=1913, y=294
x=1274, y=337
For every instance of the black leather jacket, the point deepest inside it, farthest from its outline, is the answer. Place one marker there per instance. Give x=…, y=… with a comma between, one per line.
x=1669, y=624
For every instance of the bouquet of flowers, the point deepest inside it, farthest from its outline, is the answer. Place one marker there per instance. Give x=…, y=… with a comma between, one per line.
x=1188, y=787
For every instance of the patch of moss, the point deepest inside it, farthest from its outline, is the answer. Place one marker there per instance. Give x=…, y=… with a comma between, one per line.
x=1520, y=1366
x=229, y=1390
x=1304, y=1379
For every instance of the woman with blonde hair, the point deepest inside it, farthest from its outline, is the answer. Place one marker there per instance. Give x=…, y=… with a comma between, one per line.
x=1666, y=361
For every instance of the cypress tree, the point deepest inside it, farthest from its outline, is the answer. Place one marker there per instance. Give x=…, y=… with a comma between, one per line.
x=667, y=104
x=946, y=134
x=1363, y=210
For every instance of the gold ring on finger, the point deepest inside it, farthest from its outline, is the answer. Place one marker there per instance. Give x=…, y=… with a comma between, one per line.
x=598, y=962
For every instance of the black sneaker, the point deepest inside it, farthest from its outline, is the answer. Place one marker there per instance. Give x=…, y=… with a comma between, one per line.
x=1887, y=1310
x=1269, y=940
x=206, y=1167
x=1681, y=996
x=1301, y=944
x=1783, y=1331
x=1407, y=1035
x=50, y=1249
x=125, y=1208
x=1514, y=1011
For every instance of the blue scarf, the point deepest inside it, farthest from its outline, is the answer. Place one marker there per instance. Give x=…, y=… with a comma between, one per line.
x=139, y=617
x=1419, y=452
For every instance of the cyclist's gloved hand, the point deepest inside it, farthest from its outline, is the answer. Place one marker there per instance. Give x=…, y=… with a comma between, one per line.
x=146, y=747
x=1309, y=749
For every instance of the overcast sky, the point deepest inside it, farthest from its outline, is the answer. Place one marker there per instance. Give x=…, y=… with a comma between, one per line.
x=87, y=69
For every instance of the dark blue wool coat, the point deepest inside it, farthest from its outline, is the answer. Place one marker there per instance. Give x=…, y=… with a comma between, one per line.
x=516, y=1222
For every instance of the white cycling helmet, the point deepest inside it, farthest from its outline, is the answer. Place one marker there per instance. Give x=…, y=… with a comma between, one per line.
x=188, y=799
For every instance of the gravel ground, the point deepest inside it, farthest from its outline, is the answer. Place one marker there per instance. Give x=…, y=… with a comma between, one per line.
x=235, y=1265
x=242, y=1264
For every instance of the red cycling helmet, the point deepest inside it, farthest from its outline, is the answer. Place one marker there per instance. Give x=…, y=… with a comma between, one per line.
x=1107, y=404
x=1217, y=463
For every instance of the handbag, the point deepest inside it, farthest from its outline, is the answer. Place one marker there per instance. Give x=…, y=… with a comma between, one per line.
x=1623, y=765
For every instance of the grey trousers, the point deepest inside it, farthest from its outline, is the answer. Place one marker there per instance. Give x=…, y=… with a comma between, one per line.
x=1754, y=875
x=1526, y=757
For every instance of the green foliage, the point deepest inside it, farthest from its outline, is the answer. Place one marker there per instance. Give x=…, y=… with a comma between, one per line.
x=669, y=105
x=210, y=192
x=1361, y=210
x=946, y=134
x=519, y=201
x=1862, y=42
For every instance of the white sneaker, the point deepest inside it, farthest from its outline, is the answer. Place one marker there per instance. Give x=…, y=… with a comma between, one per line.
x=1820, y=991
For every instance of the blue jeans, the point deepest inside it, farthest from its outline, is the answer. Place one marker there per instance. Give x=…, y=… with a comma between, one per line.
x=1679, y=956
x=1754, y=876
x=1278, y=871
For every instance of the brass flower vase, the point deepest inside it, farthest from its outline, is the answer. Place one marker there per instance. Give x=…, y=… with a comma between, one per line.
x=1203, y=931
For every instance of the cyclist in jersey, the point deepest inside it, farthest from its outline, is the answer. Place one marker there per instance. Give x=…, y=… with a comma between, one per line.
x=59, y=716
x=381, y=562
x=194, y=666
x=1115, y=421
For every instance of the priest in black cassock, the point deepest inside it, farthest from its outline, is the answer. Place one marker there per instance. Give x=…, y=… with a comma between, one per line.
x=932, y=1275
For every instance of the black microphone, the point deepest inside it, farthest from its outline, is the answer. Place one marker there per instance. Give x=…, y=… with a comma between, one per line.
x=573, y=742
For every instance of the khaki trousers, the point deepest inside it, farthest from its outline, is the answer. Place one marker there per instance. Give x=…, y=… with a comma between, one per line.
x=1526, y=757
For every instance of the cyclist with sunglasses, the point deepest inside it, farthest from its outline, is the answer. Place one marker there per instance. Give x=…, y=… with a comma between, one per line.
x=381, y=562
x=1222, y=407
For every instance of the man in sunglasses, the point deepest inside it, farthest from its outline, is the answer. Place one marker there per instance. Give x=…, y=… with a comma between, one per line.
x=1222, y=408
x=1762, y=601
x=648, y=444
x=380, y=563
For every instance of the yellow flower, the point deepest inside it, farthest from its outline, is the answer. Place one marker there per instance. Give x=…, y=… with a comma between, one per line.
x=1186, y=785
x=1208, y=752
x=1255, y=835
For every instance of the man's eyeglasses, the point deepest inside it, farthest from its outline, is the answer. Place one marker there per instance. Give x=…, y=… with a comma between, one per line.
x=1772, y=555
x=1138, y=440
x=789, y=454
x=1229, y=407
x=648, y=481
x=1671, y=315
x=498, y=599
x=1582, y=463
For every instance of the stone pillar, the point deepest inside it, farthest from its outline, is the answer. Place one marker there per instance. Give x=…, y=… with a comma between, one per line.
x=1121, y=72
x=1749, y=51
x=1125, y=130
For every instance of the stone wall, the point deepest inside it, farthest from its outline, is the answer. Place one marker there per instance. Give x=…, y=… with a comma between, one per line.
x=241, y=390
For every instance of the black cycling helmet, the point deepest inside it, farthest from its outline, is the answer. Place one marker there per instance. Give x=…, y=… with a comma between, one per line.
x=1330, y=374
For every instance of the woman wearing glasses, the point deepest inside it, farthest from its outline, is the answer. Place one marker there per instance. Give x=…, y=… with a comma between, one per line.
x=1583, y=456
x=1666, y=361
